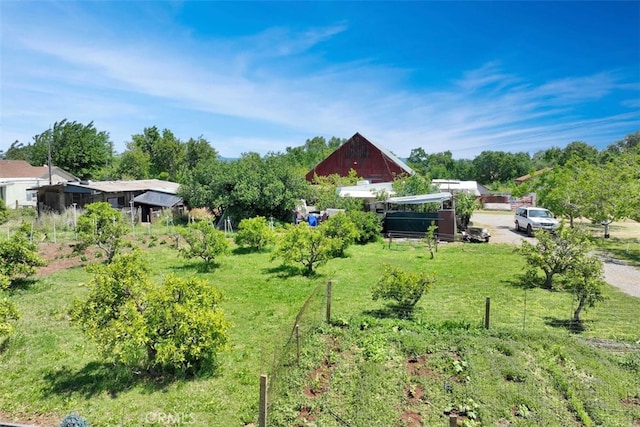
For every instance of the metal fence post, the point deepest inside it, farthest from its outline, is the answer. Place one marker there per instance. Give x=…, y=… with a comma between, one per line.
x=329, y=286
x=262, y=410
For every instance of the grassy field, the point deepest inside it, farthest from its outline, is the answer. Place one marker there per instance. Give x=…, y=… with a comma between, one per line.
x=366, y=368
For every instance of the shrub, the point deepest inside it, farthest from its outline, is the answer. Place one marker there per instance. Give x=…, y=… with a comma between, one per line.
x=204, y=241
x=8, y=313
x=404, y=288
x=369, y=225
x=103, y=226
x=177, y=326
x=255, y=233
x=18, y=257
x=340, y=228
x=302, y=244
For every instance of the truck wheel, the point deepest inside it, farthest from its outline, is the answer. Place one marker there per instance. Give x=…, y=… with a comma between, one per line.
x=517, y=226
x=529, y=231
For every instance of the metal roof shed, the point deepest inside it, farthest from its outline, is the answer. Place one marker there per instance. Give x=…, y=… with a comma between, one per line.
x=159, y=199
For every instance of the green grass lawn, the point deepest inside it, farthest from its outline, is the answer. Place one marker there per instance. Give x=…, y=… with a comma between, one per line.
x=528, y=368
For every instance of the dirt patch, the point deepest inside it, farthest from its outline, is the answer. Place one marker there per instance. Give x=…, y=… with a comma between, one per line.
x=411, y=419
x=39, y=420
x=633, y=401
x=319, y=380
x=417, y=366
x=308, y=415
x=61, y=256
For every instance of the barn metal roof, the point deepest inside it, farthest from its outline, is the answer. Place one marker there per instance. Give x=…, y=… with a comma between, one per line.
x=157, y=198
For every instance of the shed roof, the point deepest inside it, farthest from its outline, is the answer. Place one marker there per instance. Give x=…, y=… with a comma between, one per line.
x=125, y=186
x=420, y=198
x=157, y=198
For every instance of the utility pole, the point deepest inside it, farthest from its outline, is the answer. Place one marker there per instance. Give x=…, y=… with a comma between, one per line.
x=49, y=153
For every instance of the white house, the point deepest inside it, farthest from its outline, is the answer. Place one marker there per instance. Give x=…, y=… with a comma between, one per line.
x=18, y=178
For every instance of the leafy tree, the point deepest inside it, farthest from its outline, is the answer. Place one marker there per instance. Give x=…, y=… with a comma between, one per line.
x=612, y=190
x=255, y=233
x=18, y=257
x=204, y=241
x=368, y=224
x=175, y=326
x=498, y=166
x=326, y=195
x=80, y=149
x=578, y=150
x=465, y=204
x=302, y=244
x=403, y=287
x=197, y=151
x=313, y=151
x=585, y=281
x=546, y=158
x=341, y=228
x=248, y=187
x=629, y=144
x=133, y=164
x=411, y=186
x=165, y=151
x=559, y=190
x=17, y=151
x=8, y=313
x=555, y=254
x=102, y=226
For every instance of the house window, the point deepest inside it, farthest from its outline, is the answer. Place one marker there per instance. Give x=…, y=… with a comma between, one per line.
x=32, y=196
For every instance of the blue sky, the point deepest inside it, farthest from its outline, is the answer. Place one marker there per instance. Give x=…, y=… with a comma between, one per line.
x=263, y=76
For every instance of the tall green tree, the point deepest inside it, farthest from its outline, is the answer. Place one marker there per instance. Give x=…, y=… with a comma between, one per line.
x=79, y=149
x=578, y=150
x=499, y=166
x=166, y=152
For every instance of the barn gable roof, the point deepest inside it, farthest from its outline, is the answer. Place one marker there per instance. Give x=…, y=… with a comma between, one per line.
x=369, y=159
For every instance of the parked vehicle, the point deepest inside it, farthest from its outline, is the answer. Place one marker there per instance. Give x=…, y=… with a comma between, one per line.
x=533, y=219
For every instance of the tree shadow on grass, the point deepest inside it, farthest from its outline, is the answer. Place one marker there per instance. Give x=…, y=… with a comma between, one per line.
x=198, y=266
x=393, y=311
x=22, y=284
x=285, y=271
x=568, y=324
x=98, y=377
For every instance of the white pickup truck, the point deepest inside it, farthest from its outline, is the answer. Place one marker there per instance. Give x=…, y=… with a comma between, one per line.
x=533, y=219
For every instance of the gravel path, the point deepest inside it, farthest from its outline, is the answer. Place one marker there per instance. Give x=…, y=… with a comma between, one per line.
x=617, y=273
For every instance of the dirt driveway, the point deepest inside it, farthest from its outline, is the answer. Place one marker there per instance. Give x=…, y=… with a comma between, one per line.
x=501, y=227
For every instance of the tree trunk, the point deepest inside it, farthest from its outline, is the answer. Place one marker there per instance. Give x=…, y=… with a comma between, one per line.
x=548, y=281
x=581, y=303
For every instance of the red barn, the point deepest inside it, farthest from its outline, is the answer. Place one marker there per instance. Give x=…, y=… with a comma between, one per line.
x=370, y=160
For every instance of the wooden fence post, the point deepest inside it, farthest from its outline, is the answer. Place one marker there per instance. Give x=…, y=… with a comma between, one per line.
x=453, y=420
x=487, y=312
x=329, y=286
x=262, y=410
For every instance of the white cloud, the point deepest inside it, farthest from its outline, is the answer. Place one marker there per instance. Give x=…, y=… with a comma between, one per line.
x=128, y=84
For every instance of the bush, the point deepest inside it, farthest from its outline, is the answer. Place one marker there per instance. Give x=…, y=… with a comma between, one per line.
x=342, y=230
x=305, y=245
x=18, y=257
x=177, y=326
x=103, y=226
x=255, y=233
x=204, y=241
x=404, y=288
x=368, y=224
x=8, y=313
